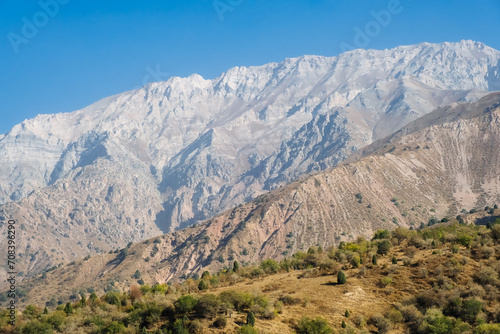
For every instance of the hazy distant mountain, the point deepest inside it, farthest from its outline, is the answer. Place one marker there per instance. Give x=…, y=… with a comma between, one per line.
x=165, y=156
x=435, y=167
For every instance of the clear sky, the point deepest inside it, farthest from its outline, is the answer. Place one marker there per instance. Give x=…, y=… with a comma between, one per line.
x=62, y=55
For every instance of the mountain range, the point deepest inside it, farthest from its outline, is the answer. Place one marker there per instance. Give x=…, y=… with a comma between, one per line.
x=171, y=154
x=429, y=171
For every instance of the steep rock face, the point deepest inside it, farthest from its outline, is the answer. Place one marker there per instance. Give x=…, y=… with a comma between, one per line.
x=436, y=166
x=179, y=151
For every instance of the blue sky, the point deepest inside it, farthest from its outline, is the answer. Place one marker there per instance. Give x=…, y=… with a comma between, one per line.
x=62, y=56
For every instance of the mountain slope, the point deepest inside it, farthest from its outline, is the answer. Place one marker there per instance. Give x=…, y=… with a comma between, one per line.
x=172, y=153
x=432, y=172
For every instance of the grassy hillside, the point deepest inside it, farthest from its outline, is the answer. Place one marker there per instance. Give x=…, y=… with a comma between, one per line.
x=441, y=279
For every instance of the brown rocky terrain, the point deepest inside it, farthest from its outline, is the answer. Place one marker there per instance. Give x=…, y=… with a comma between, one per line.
x=433, y=168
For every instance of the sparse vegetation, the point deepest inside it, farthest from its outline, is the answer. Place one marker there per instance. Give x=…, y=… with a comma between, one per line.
x=455, y=267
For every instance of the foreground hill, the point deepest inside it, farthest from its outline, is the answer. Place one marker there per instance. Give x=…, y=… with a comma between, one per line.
x=442, y=279
x=163, y=157
x=433, y=171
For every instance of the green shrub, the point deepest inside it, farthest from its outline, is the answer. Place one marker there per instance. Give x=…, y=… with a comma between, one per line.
x=385, y=281
x=56, y=320
x=246, y=329
x=383, y=325
x=96, y=320
x=464, y=240
x=152, y=314
x=241, y=301
x=31, y=311
x=355, y=261
x=179, y=328
x=313, y=326
x=487, y=329
x=382, y=234
x=113, y=327
x=495, y=232
x=159, y=288
x=470, y=310
x=250, y=319
x=384, y=247
x=37, y=327
x=395, y=316
x=203, y=285
x=289, y=300
x=220, y=322
x=486, y=275
x=437, y=323
x=113, y=298
x=185, y=304
x=137, y=274
x=68, y=309
x=341, y=278
x=208, y=306
x=270, y=266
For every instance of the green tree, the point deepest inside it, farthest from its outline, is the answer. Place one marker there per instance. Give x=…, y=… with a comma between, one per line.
x=374, y=259
x=208, y=306
x=394, y=260
x=68, y=309
x=341, y=278
x=45, y=310
x=236, y=266
x=185, y=304
x=384, y=247
x=250, y=319
x=83, y=301
x=93, y=297
x=347, y=314
x=179, y=327
x=343, y=325
x=203, y=285
x=137, y=274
